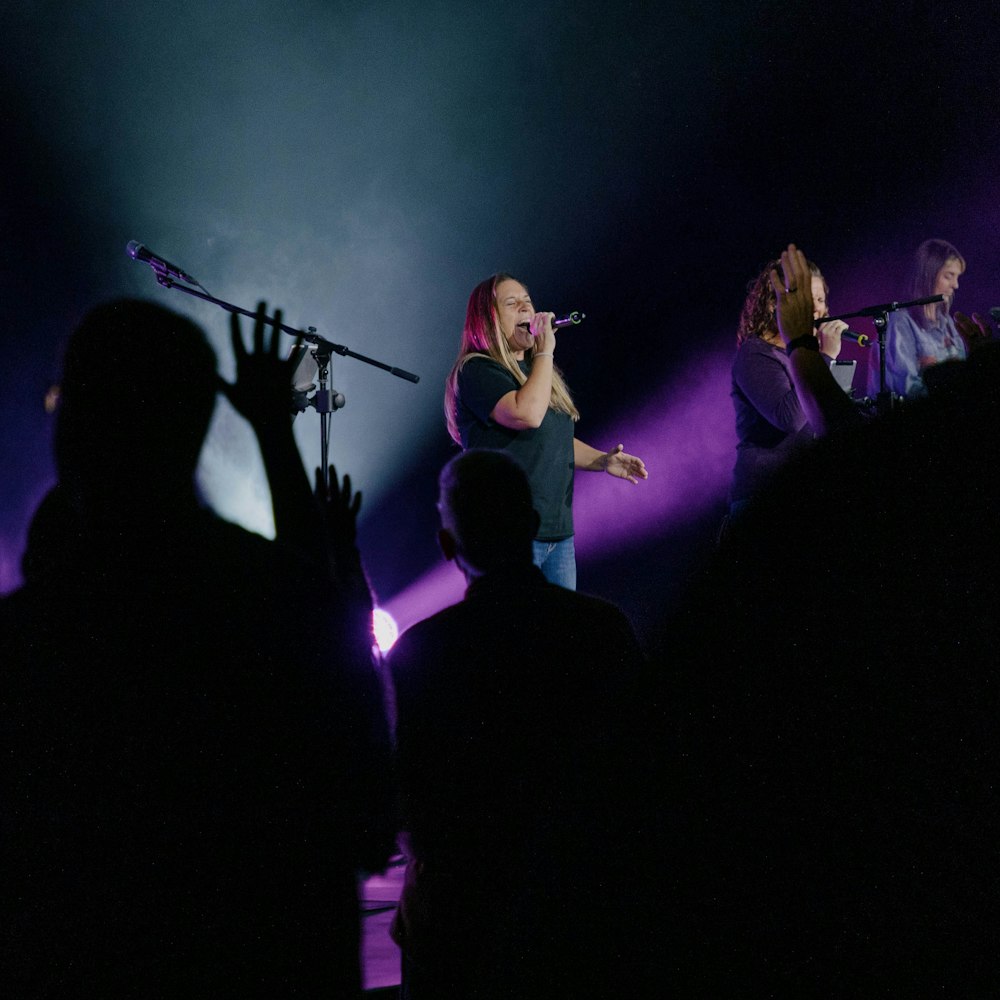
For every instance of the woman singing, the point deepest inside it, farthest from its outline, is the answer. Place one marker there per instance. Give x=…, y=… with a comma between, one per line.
x=504, y=392
x=771, y=424
x=923, y=336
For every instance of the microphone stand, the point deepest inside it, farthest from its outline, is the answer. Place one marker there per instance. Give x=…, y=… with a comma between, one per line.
x=325, y=400
x=879, y=314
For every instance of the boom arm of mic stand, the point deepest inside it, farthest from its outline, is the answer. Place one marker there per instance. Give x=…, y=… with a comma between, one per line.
x=880, y=316
x=309, y=335
x=888, y=307
x=313, y=337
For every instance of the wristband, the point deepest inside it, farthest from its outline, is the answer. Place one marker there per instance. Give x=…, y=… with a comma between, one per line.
x=541, y=354
x=808, y=341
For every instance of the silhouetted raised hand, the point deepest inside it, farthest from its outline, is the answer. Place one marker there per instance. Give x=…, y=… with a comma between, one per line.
x=261, y=394
x=339, y=505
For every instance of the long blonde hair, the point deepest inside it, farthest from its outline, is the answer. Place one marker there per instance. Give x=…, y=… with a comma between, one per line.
x=481, y=337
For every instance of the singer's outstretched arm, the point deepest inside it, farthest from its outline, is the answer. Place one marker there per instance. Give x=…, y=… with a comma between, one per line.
x=615, y=462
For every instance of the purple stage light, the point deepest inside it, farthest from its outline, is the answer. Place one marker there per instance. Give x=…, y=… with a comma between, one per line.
x=438, y=588
x=686, y=437
x=385, y=630
x=10, y=566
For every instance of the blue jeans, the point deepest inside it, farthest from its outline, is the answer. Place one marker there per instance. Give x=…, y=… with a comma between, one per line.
x=557, y=561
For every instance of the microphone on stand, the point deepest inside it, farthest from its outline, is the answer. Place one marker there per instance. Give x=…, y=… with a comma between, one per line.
x=137, y=251
x=861, y=339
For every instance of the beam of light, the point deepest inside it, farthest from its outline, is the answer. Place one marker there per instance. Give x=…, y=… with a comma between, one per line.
x=686, y=437
x=10, y=565
x=439, y=587
x=385, y=630
x=403, y=201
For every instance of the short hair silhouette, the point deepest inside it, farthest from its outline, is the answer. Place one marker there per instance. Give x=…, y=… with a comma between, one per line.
x=137, y=395
x=485, y=501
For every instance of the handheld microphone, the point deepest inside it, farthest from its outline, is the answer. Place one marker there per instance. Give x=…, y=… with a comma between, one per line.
x=573, y=319
x=861, y=339
x=137, y=251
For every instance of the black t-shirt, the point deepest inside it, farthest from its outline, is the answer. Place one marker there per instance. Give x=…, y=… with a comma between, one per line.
x=545, y=452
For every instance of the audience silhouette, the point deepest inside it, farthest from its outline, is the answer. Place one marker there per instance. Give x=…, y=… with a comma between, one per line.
x=838, y=770
x=196, y=751
x=780, y=801
x=514, y=726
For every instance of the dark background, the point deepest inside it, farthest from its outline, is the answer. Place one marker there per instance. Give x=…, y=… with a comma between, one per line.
x=364, y=165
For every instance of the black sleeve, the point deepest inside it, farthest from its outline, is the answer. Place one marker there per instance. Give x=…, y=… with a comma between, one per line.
x=482, y=383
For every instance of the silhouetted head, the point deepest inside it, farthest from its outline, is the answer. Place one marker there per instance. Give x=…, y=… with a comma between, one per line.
x=488, y=519
x=136, y=398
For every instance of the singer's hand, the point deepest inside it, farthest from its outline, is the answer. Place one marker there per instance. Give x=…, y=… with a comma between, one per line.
x=617, y=463
x=262, y=390
x=975, y=331
x=794, y=301
x=543, y=333
x=829, y=337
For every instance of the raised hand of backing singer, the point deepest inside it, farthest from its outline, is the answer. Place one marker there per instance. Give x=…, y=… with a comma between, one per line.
x=824, y=403
x=793, y=294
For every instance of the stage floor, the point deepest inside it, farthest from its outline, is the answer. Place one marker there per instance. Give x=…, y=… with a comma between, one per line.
x=379, y=954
